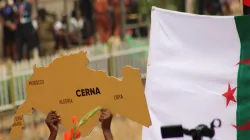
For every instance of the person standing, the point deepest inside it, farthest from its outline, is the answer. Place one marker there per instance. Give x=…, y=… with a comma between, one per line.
x=61, y=35
x=25, y=29
x=46, y=33
x=76, y=25
x=87, y=11
x=8, y=18
x=102, y=20
x=226, y=8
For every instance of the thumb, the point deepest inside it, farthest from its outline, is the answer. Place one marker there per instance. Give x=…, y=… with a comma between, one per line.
x=101, y=119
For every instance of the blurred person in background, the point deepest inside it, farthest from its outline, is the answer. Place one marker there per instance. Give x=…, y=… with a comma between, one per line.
x=76, y=26
x=80, y=28
x=226, y=8
x=61, y=35
x=36, y=37
x=75, y=8
x=116, y=18
x=46, y=32
x=41, y=130
x=102, y=20
x=8, y=20
x=86, y=8
x=133, y=17
x=105, y=118
x=213, y=7
x=25, y=29
x=87, y=32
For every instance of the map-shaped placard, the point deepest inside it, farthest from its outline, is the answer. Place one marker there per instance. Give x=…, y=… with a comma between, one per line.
x=68, y=86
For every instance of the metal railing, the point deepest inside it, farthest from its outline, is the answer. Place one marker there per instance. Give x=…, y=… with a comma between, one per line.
x=4, y=94
x=13, y=76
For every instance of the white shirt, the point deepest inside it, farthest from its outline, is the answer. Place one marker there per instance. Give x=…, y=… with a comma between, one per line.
x=59, y=25
x=76, y=24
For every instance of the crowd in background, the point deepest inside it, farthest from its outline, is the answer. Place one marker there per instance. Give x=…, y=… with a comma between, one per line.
x=18, y=30
x=89, y=22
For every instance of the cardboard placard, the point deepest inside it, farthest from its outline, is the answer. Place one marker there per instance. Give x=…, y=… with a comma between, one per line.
x=68, y=86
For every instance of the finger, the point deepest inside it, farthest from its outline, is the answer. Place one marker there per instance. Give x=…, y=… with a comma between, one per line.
x=51, y=117
x=102, y=115
x=56, y=120
x=54, y=117
x=52, y=112
x=103, y=109
x=104, y=118
x=106, y=113
x=101, y=119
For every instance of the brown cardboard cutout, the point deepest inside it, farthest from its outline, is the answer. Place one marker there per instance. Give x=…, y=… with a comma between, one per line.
x=68, y=86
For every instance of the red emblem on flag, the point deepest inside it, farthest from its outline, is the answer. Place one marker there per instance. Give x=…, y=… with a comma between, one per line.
x=229, y=95
x=243, y=127
x=246, y=3
x=245, y=61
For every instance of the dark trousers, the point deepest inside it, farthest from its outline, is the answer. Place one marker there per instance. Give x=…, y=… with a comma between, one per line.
x=25, y=36
x=61, y=42
x=9, y=38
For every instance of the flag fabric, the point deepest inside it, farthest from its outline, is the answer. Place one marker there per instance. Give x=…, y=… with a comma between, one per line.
x=193, y=76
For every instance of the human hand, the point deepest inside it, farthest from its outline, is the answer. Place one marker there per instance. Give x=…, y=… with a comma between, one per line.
x=11, y=25
x=106, y=118
x=7, y=23
x=52, y=121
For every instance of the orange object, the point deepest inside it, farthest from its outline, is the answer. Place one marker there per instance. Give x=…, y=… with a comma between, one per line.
x=67, y=85
x=67, y=136
x=74, y=119
x=77, y=134
x=71, y=134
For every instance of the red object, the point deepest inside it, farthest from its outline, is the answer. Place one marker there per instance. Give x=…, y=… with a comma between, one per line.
x=130, y=32
x=245, y=61
x=68, y=136
x=21, y=9
x=229, y=94
x=77, y=134
x=243, y=127
x=74, y=119
x=246, y=3
x=72, y=131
